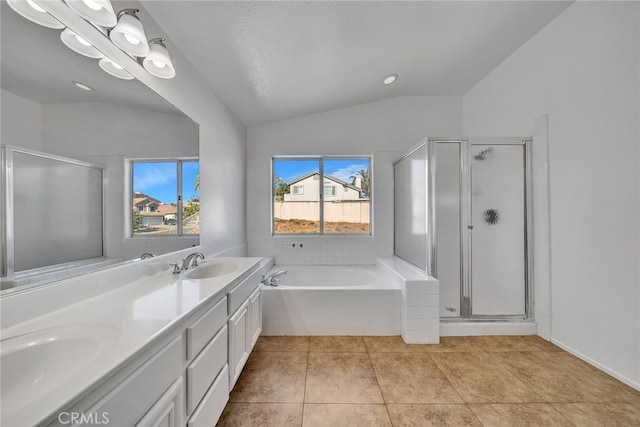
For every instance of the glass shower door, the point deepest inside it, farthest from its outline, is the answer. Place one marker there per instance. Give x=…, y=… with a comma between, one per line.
x=448, y=228
x=498, y=246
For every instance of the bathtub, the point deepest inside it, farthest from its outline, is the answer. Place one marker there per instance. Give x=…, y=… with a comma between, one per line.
x=331, y=300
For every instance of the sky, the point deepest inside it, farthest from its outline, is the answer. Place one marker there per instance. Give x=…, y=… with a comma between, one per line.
x=342, y=169
x=159, y=180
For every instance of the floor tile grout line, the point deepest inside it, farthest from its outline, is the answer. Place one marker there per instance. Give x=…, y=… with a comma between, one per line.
x=306, y=375
x=384, y=402
x=448, y=380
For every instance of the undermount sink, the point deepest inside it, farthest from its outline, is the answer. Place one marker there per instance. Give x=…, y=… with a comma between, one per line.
x=36, y=363
x=212, y=269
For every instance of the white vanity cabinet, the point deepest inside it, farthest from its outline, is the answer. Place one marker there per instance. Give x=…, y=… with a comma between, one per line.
x=245, y=324
x=182, y=376
x=207, y=373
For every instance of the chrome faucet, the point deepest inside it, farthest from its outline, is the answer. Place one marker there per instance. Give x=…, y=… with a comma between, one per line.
x=147, y=255
x=192, y=259
x=272, y=279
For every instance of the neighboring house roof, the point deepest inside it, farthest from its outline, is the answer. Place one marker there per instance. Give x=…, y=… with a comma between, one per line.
x=167, y=209
x=336, y=180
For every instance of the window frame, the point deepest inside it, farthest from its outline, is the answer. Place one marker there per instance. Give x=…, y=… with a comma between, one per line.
x=321, y=178
x=179, y=209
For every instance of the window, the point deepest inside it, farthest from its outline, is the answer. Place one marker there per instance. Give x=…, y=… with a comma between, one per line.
x=165, y=197
x=306, y=198
x=329, y=190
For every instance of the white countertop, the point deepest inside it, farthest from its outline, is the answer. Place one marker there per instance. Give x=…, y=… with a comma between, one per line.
x=128, y=320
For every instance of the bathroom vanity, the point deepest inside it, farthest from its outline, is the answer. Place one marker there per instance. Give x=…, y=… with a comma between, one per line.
x=160, y=349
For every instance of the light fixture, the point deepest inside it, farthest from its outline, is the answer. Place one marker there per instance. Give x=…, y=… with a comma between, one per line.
x=34, y=13
x=82, y=86
x=114, y=69
x=98, y=12
x=129, y=34
x=391, y=78
x=158, y=62
x=79, y=45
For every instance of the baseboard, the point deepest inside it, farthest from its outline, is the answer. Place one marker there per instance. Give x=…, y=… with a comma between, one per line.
x=598, y=365
x=459, y=329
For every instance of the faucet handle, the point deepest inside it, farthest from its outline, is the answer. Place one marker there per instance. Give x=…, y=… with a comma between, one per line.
x=176, y=267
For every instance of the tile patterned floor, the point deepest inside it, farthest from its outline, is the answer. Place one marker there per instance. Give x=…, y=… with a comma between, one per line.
x=464, y=381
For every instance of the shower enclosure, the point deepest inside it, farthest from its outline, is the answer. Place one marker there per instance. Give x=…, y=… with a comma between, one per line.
x=463, y=214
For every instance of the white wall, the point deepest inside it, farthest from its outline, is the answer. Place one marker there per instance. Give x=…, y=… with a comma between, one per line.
x=106, y=135
x=582, y=70
x=384, y=129
x=21, y=121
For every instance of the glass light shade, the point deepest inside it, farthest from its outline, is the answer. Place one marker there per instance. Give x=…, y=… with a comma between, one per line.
x=158, y=62
x=34, y=13
x=98, y=12
x=129, y=35
x=79, y=45
x=114, y=69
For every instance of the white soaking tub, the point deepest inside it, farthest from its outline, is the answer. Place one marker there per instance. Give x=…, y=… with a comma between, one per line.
x=331, y=300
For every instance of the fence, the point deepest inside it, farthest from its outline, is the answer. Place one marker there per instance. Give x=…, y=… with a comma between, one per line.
x=353, y=211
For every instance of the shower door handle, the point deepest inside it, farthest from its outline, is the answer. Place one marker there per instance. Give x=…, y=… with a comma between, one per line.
x=470, y=227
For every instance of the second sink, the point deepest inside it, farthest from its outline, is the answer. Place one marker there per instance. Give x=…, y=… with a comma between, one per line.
x=212, y=269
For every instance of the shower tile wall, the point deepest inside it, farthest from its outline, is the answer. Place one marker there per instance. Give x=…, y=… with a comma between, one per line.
x=315, y=251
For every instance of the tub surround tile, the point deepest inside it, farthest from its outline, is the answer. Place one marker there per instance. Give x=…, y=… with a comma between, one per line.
x=439, y=415
x=601, y=414
x=282, y=343
x=272, y=377
x=345, y=415
x=341, y=378
x=412, y=378
x=337, y=344
x=393, y=344
x=478, y=379
x=261, y=415
x=520, y=414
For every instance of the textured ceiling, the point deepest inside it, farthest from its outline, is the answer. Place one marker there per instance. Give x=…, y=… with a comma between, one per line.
x=271, y=60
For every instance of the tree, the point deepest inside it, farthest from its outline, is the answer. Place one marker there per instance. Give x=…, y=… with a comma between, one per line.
x=189, y=209
x=364, y=178
x=137, y=220
x=281, y=187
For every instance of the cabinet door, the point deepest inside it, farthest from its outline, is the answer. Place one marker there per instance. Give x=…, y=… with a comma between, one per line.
x=255, y=319
x=238, y=331
x=168, y=410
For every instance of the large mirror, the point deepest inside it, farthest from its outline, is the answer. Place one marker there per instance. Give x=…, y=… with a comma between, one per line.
x=148, y=149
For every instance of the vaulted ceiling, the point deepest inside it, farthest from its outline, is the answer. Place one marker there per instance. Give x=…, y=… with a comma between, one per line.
x=274, y=60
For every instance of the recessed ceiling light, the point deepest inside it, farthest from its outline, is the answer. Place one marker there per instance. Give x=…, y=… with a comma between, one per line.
x=82, y=86
x=387, y=80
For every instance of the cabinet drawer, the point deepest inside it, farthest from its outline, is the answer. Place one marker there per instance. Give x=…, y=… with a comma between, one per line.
x=205, y=367
x=213, y=402
x=203, y=329
x=133, y=397
x=238, y=295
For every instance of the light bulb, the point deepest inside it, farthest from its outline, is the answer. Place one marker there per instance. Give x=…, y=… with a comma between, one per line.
x=159, y=64
x=82, y=41
x=35, y=6
x=92, y=4
x=132, y=40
